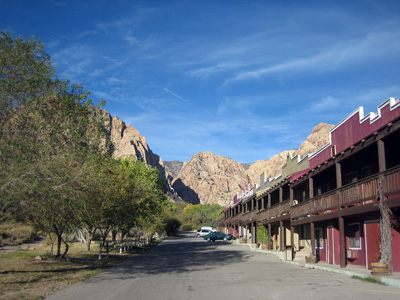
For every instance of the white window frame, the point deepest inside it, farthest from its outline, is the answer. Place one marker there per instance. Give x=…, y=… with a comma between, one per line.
x=359, y=229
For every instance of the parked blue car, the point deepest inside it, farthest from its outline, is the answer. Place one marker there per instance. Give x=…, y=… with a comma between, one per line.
x=217, y=235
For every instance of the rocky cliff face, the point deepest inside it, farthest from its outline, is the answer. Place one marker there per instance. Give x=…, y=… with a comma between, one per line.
x=128, y=142
x=174, y=167
x=209, y=178
x=206, y=177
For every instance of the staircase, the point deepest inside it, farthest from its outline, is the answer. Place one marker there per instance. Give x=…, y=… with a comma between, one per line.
x=300, y=256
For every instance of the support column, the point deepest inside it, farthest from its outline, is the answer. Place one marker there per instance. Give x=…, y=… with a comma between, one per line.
x=291, y=195
x=269, y=237
x=255, y=240
x=263, y=203
x=381, y=156
x=269, y=200
x=338, y=167
x=292, y=237
x=311, y=187
x=312, y=232
x=342, y=239
x=280, y=194
x=281, y=236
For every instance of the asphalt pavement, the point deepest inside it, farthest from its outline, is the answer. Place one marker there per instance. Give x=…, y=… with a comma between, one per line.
x=187, y=267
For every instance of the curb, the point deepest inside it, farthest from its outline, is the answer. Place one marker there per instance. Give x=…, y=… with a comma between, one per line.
x=384, y=279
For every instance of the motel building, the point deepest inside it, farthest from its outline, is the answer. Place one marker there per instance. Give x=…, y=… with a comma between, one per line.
x=325, y=207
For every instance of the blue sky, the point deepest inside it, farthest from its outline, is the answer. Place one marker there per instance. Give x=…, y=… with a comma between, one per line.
x=243, y=79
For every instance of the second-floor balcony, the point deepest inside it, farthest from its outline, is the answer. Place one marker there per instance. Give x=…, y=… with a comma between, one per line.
x=274, y=211
x=360, y=193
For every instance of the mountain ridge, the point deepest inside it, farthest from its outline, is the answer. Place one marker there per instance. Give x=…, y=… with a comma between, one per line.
x=206, y=178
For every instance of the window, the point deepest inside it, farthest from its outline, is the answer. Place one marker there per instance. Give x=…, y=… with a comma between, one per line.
x=354, y=235
x=305, y=232
x=319, y=238
x=365, y=172
x=350, y=177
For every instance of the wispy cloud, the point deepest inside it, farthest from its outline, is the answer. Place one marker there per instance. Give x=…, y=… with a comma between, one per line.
x=342, y=54
x=170, y=92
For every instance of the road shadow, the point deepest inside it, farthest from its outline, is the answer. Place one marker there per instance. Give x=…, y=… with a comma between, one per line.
x=182, y=254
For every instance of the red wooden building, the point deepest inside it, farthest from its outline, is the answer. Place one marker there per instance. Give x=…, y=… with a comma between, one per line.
x=330, y=207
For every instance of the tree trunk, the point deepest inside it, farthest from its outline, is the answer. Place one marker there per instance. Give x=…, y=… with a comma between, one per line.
x=114, y=236
x=88, y=240
x=59, y=240
x=66, y=248
x=385, y=226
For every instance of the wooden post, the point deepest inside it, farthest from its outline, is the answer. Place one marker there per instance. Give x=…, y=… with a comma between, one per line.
x=269, y=237
x=311, y=187
x=342, y=239
x=312, y=232
x=381, y=156
x=281, y=236
x=291, y=196
x=292, y=237
x=338, y=175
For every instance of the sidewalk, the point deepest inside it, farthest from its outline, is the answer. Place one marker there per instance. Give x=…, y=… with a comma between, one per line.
x=350, y=270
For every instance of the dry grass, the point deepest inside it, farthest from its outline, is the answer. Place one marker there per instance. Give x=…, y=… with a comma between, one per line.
x=24, y=277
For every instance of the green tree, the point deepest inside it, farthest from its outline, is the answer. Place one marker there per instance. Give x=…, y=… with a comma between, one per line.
x=195, y=216
x=26, y=72
x=48, y=130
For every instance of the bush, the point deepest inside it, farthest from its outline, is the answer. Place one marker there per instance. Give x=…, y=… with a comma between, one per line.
x=262, y=234
x=17, y=234
x=172, y=226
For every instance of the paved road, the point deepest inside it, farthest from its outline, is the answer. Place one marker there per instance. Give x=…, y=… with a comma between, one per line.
x=190, y=268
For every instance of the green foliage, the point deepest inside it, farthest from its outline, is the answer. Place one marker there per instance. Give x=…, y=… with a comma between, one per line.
x=16, y=233
x=195, y=216
x=56, y=170
x=26, y=72
x=172, y=226
x=262, y=234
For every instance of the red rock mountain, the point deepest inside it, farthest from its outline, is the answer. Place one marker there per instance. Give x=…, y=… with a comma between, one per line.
x=206, y=177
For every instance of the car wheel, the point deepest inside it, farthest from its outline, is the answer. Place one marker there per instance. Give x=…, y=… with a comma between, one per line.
x=209, y=240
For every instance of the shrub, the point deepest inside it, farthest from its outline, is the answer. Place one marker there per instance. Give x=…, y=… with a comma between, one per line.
x=262, y=234
x=17, y=234
x=172, y=226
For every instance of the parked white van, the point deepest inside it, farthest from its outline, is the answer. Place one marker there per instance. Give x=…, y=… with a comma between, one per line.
x=204, y=231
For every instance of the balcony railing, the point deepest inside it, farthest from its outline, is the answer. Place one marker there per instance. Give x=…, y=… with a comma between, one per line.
x=359, y=193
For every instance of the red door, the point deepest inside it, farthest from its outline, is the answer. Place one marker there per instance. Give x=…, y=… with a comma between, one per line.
x=372, y=239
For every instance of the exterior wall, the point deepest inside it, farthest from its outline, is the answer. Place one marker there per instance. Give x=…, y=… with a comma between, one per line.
x=354, y=128
x=295, y=164
x=396, y=249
